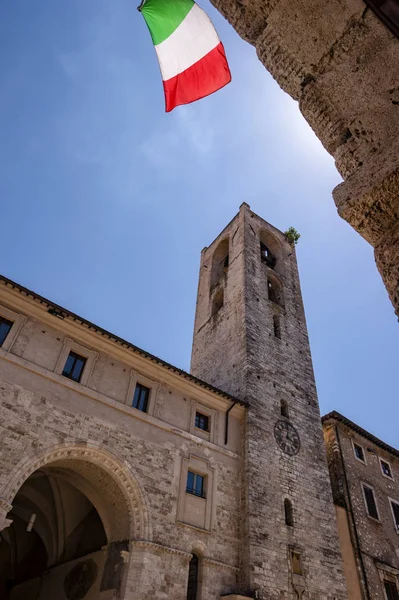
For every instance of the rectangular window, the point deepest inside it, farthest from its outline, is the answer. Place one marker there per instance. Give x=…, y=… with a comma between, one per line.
x=385, y=468
x=202, y=421
x=141, y=397
x=296, y=561
x=370, y=502
x=5, y=327
x=359, y=452
x=195, y=484
x=391, y=590
x=395, y=513
x=74, y=366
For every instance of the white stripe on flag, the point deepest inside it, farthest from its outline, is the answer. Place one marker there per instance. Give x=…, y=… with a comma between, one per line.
x=191, y=41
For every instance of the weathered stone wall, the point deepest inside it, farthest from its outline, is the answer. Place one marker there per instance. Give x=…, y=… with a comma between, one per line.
x=376, y=541
x=340, y=62
x=237, y=349
x=131, y=460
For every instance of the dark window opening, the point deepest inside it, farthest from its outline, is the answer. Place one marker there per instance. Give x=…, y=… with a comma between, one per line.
x=218, y=302
x=74, y=366
x=267, y=256
x=284, y=409
x=276, y=327
x=289, y=517
x=386, y=468
x=370, y=502
x=5, y=327
x=296, y=561
x=193, y=571
x=141, y=397
x=274, y=292
x=195, y=484
x=202, y=421
x=359, y=453
x=220, y=262
x=391, y=590
x=395, y=511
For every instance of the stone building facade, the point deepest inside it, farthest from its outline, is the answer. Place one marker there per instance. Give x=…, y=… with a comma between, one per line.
x=364, y=475
x=122, y=476
x=105, y=483
x=339, y=59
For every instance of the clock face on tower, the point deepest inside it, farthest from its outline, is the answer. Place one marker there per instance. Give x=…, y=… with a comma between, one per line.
x=287, y=437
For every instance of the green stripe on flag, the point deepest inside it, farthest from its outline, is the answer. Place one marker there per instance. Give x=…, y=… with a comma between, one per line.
x=164, y=16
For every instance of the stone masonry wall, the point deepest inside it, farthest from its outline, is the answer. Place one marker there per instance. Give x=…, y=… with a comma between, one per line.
x=378, y=540
x=44, y=414
x=267, y=370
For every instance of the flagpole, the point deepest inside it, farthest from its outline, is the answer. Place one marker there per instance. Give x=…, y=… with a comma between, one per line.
x=141, y=5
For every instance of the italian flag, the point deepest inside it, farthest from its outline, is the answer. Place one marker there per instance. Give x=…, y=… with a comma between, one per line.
x=191, y=56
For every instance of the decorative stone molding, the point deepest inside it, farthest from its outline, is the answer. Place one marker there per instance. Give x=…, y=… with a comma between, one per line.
x=90, y=355
x=220, y=565
x=18, y=321
x=120, y=473
x=160, y=548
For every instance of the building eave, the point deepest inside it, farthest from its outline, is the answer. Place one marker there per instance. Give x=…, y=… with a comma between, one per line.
x=118, y=340
x=336, y=416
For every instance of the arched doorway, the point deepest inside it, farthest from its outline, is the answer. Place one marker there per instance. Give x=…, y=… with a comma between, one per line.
x=53, y=525
x=74, y=512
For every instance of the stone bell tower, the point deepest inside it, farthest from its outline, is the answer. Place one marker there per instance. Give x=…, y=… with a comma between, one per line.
x=250, y=339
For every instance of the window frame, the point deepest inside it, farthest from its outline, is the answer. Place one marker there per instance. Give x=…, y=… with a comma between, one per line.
x=10, y=324
x=192, y=490
x=382, y=460
x=363, y=462
x=391, y=502
x=76, y=357
x=153, y=386
x=147, y=399
x=391, y=580
x=212, y=415
x=17, y=321
x=378, y=518
x=91, y=357
x=197, y=464
x=202, y=416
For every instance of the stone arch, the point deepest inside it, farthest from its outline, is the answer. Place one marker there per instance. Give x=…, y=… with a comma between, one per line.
x=84, y=464
x=220, y=261
x=271, y=251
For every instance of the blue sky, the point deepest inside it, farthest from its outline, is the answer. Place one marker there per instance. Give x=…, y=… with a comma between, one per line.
x=107, y=201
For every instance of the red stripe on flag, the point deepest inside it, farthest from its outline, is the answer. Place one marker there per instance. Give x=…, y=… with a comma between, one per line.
x=201, y=79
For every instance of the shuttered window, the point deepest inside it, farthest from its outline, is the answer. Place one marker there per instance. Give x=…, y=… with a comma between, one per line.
x=370, y=501
x=391, y=590
x=395, y=513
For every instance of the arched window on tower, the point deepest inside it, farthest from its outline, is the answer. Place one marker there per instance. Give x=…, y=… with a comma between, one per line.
x=274, y=291
x=220, y=261
x=267, y=256
x=289, y=517
x=284, y=408
x=193, y=575
x=218, y=302
x=271, y=251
